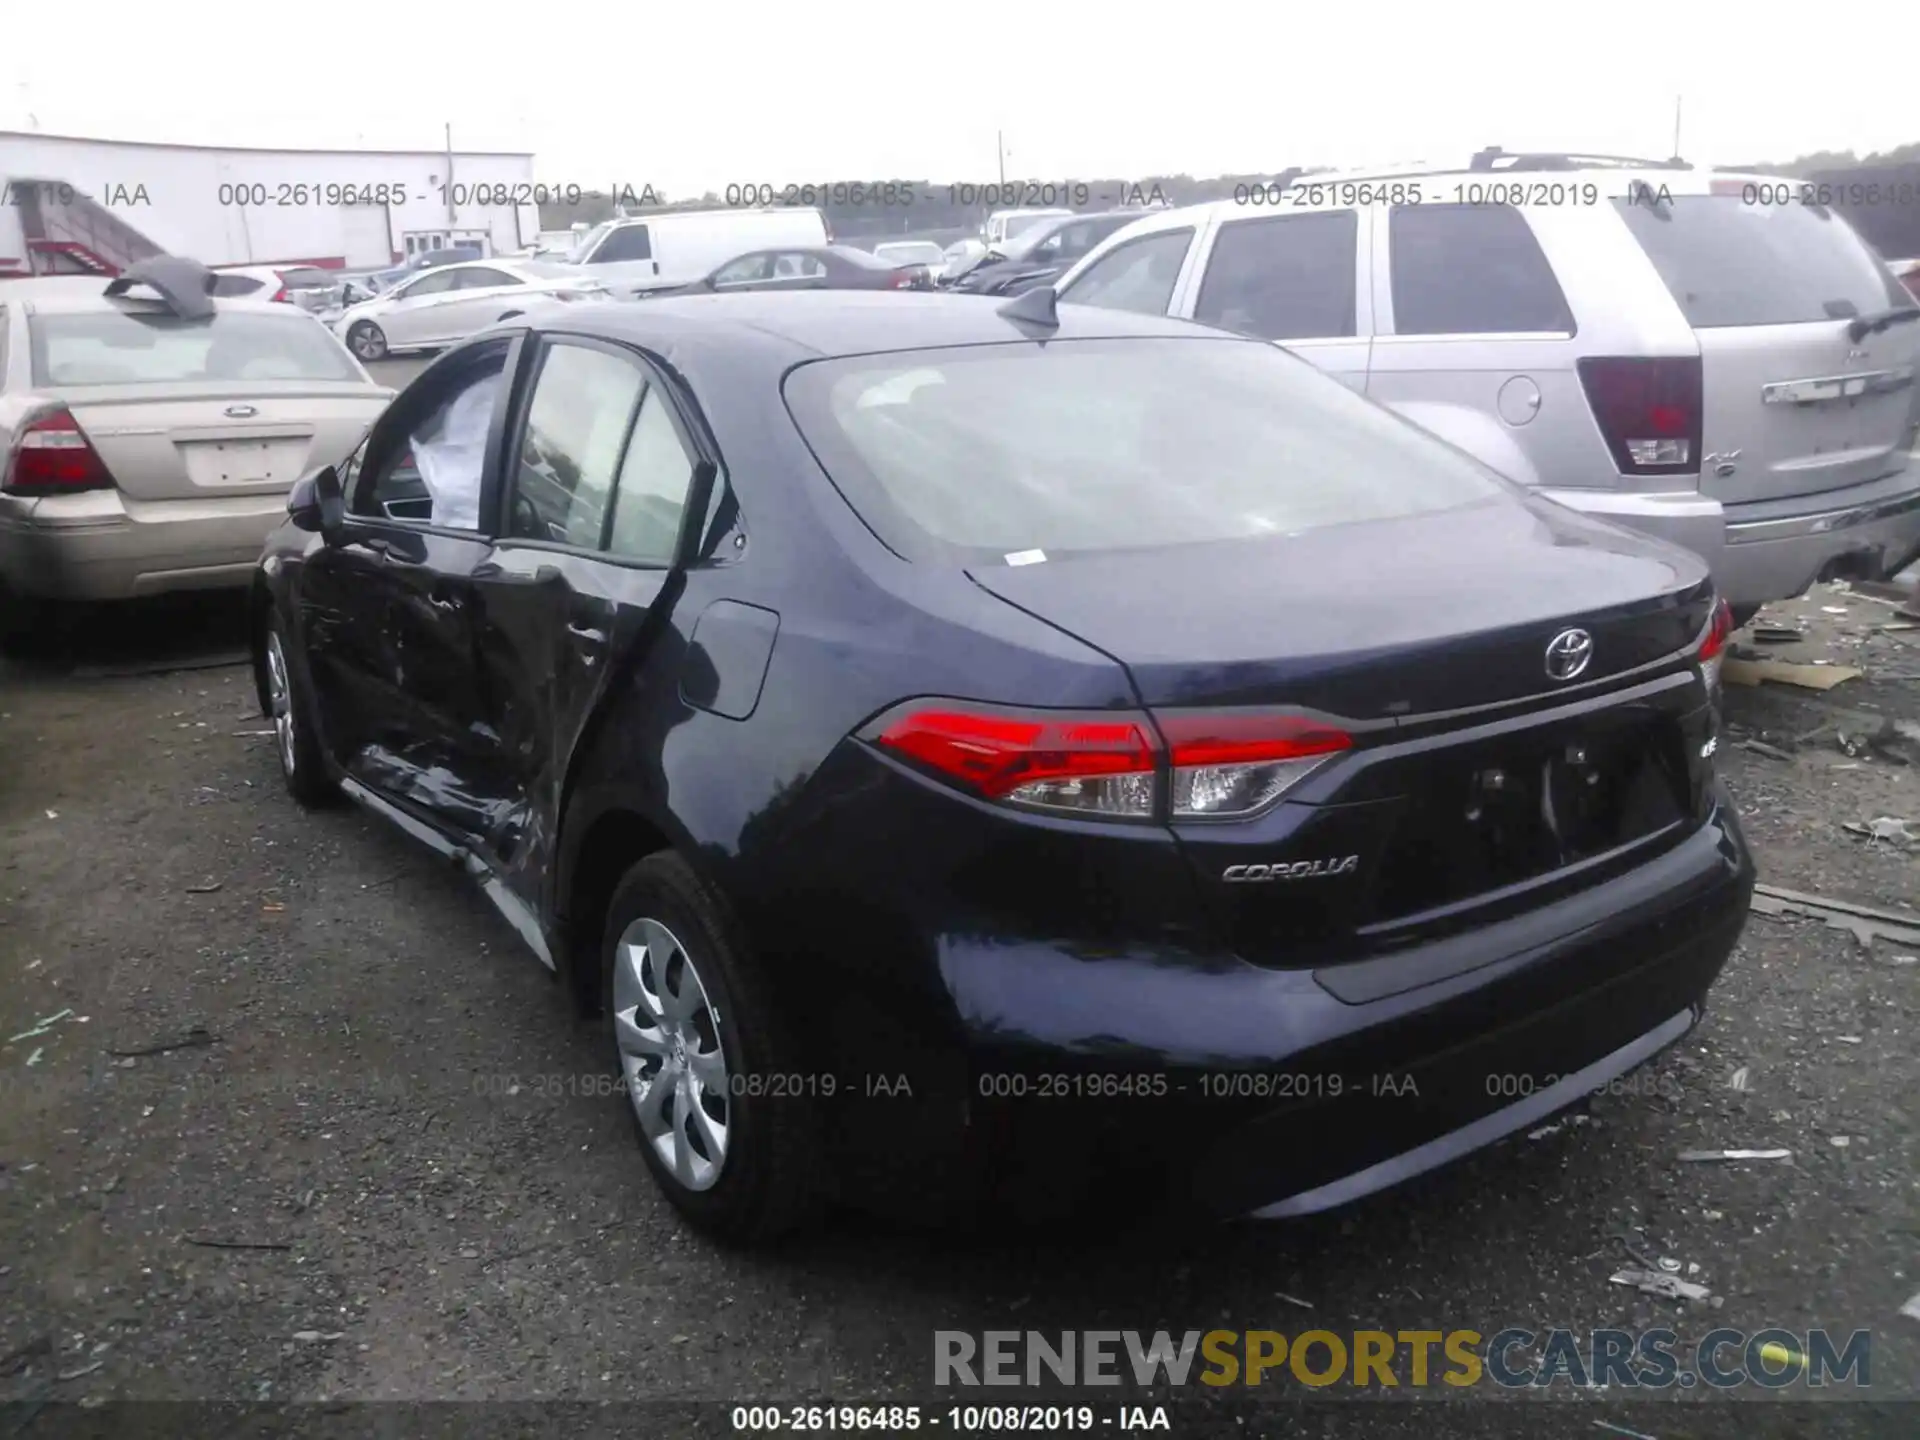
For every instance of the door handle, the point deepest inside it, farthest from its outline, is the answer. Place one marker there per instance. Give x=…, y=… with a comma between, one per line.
x=590, y=637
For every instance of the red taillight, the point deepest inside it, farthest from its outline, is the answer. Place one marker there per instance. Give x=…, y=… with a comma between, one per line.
x=1713, y=644
x=1648, y=410
x=1056, y=762
x=900, y=280
x=281, y=294
x=52, y=456
x=1218, y=765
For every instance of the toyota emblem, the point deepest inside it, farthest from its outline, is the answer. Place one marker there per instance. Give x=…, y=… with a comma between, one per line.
x=1568, y=654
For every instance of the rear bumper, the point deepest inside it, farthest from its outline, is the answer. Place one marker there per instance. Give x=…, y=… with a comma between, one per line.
x=1775, y=550
x=1680, y=517
x=103, y=545
x=1230, y=1089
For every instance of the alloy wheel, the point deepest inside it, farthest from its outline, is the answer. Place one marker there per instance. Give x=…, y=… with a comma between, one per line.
x=280, y=697
x=367, y=341
x=671, y=1057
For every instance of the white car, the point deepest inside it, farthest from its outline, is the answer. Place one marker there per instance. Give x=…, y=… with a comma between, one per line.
x=913, y=252
x=307, y=286
x=450, y=302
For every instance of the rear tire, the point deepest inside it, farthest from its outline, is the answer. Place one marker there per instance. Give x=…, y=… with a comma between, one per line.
x=701, y=1053
x=367, y=340
x=302, y=765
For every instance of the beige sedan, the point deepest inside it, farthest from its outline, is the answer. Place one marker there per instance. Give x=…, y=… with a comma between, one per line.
x=148, y=438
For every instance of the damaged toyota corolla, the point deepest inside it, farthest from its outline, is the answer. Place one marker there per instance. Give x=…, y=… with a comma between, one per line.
x=970, y=756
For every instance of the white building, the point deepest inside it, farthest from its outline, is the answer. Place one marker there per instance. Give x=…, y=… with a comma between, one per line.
x=98, y=205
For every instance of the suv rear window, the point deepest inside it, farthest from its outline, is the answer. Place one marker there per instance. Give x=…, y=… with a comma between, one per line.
x=132, y=347
x=309, y=277
x=1730, y=263
x=975, y=454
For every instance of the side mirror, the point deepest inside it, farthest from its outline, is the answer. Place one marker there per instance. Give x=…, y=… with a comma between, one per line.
x=317, y=504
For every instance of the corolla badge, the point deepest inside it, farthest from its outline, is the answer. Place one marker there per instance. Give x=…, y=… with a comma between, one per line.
x=1568, y=654
x=1295, y=870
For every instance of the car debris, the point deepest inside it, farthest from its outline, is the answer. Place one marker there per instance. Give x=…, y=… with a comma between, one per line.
x=1740, y=1079
x=41, y=1027
x=1864, y=922
x=1557, y=1126
x=1776, y=634
x=1694, y=1155
x=1761, y=747
x=1293, y=1300
x=1912, y=1308
x=206, y=889
x=1622, y=1430
x=197, y=1036
x=1658, y=1282
x=237, y=1244
x=1891, y=829
x=1738, y=671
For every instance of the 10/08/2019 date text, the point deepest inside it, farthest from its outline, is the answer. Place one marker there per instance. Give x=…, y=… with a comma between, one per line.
x=961, y=1419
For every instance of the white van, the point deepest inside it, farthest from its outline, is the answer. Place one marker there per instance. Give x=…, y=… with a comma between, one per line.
x=633, y=254
x=1003, y=225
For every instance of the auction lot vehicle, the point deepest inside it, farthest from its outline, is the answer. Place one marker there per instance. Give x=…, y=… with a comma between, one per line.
x=1041, y=254
x=948, y=744
x=446, y=303
x=150, y=432
x=913, y=252
x=1004, y=225
x=812, y=267
x=680, y=247
x=1696, y=355
x=307, y=286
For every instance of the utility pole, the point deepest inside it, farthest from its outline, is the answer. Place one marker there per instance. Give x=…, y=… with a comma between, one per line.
x=450, y=214
x=1676, y=127
x=1000, y=147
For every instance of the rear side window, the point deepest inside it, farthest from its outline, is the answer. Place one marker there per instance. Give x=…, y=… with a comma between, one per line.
x=1138, y=276
x=1471, y=270
x=583, y=406
x=973, y=455
x=131, y=347
x=1728, y=263
x=1283, y=278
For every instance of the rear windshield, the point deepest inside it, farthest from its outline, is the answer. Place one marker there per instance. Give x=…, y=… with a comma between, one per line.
x=974, y=455
x=131, y=347
x=1727, y=262
x=309, y=278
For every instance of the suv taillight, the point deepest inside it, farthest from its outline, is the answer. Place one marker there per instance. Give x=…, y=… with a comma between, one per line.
x=53, y=456
x=1111, y=764
x=1713, y=644
x=1648, y=410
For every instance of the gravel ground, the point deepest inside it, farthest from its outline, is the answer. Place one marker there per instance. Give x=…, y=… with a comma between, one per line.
x=393, y=1096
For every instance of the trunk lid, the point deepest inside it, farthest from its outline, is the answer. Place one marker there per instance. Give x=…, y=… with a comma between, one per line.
x=1791, y=404
x=1434, y=821
x=185, y=441
x=1413, y=616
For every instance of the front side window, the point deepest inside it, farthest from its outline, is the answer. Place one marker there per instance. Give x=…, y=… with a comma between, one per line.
x=744, y=270
x=427, y=465
x=582, y=408
x=1138, y=276
x=487, y=278
x=433, y=282
x=629, y=242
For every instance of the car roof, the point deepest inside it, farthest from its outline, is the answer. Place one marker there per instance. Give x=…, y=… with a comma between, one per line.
x=789, y=327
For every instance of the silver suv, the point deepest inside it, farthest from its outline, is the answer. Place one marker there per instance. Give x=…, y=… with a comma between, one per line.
x=1698, y=355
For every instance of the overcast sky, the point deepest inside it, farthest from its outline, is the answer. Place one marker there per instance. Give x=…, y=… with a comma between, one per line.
x=689, y=98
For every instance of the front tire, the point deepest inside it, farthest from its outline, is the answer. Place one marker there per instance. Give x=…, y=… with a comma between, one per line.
x=367, y=340
x=724, y=1115
x=302, y=765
